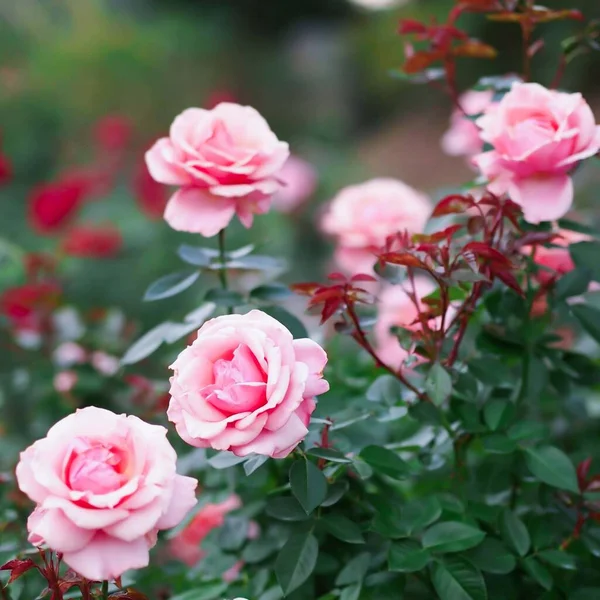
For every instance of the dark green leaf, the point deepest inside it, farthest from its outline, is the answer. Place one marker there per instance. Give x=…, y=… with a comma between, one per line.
x=224, y=460
x=553, y=467
x=233, y=533
x=384, y=461
x=271, y=292
x=527, y=430
x=308, y=484
x=407, y=556
x=492, y=556
x=420, y=513
x=329, y=454
x=171, y=285
x=559, y=559
x=355, y=570
x=286, y=509
x=352, y=592
x=199, y=257
x=287, y=319
x=589, y=319
x=224, y=297
x=343, y=529
x=256, y=262
x=585, y=256
x=438, y=384
x=455, y=579
x=385, y=389
x=336, y=493
x=258, y=550
x=539, y=572
x=514, y=532
x=499, y=444
x=498, y=413
x=253, y=463
x=573, y=283
x=452, y=536
x=207, y=591
x=296, y=561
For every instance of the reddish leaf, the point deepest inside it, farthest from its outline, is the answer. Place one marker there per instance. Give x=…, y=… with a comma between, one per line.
x=305, y=289
x=337, y=276
x=363, y=277
x=583, y=469
x=545, y=16
x=478, y=5
x=421, y=60
x=475, y=224
x=408, y=26
x=330, y=308
x=482, y=250
x=454, y=204
x=18, y=567
x=325, y=294
x=128, y=595
x=403, y=259
x=475, y=49
x=510, y=280
x=438, y=236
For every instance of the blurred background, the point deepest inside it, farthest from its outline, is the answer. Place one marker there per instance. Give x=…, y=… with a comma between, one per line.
x=87, y=85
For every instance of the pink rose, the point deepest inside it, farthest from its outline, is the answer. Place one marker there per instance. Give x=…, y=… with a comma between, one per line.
x=396, y=309
x=556, y=261
x=463, y=137
x=362, y=217
x=104, y=485
x=186, y=545
x=65, y=381
x=246, y=385
x=538, y=137
x=226, y=162
x=299, y=181
x=68, y=354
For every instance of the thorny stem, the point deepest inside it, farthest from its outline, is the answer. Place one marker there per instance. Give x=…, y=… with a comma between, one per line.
x=581, y=520
x=324, y=444
x=361, y=338
x=105, y=590
x=223, y=269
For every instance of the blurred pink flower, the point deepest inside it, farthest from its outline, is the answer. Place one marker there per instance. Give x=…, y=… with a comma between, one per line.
x=65, y=381
x=557, y=261
x=299, y=182
x=68, y=354
x=463, y=137
x=361, y=218
x=538, y=137
x=225, y=161
x=105, y=363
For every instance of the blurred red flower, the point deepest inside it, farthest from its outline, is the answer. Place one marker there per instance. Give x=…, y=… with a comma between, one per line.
x=52, y=205
x=23, y=304
x=113, y=133
x=5, y=169
x=92, y=241
x=150, y=195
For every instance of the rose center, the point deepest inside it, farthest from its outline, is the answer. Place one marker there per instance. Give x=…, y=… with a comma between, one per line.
x=95, y=466
x=239, y=383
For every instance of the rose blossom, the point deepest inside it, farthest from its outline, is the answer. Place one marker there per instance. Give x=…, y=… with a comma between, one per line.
x=104, y=485
x=538, y=137
x=68, y=354
x=362, y=217
x=396, y=309
x=225, y=160
x=246, y=385
x=186, y=545
x=65, y=381
x=299, y=180
x=463, y=136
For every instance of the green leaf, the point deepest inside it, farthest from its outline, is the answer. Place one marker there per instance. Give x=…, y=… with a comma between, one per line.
x=455, y=579
x=343, y=529
x=589, y=319
x=452, y=536
x=224, y=460
x=355, y=570
x=286, y=509
x=553, y=467
x=514, y=532
x=559, y=559
x=385, y=389
x=287, y=319
x=271, y=292
x=420, y=513
x=257, y=550
x=224, y=297
x=329, y=454
x=253, y=463
x=498, y=444
x=498, y=413
x=199, y=257
x=336, y=493
x=257, y=262
x=308, y=484
x=438, y=384
x=352, y=592
x=407, y=557
x=528, y=430
x=208, y=591
x=492, y=556
x=296, y=561
x=585, y=255
x=171, y=285
x=233, y=533
x=539, y=572
x=573, y=283
x=385, y=461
